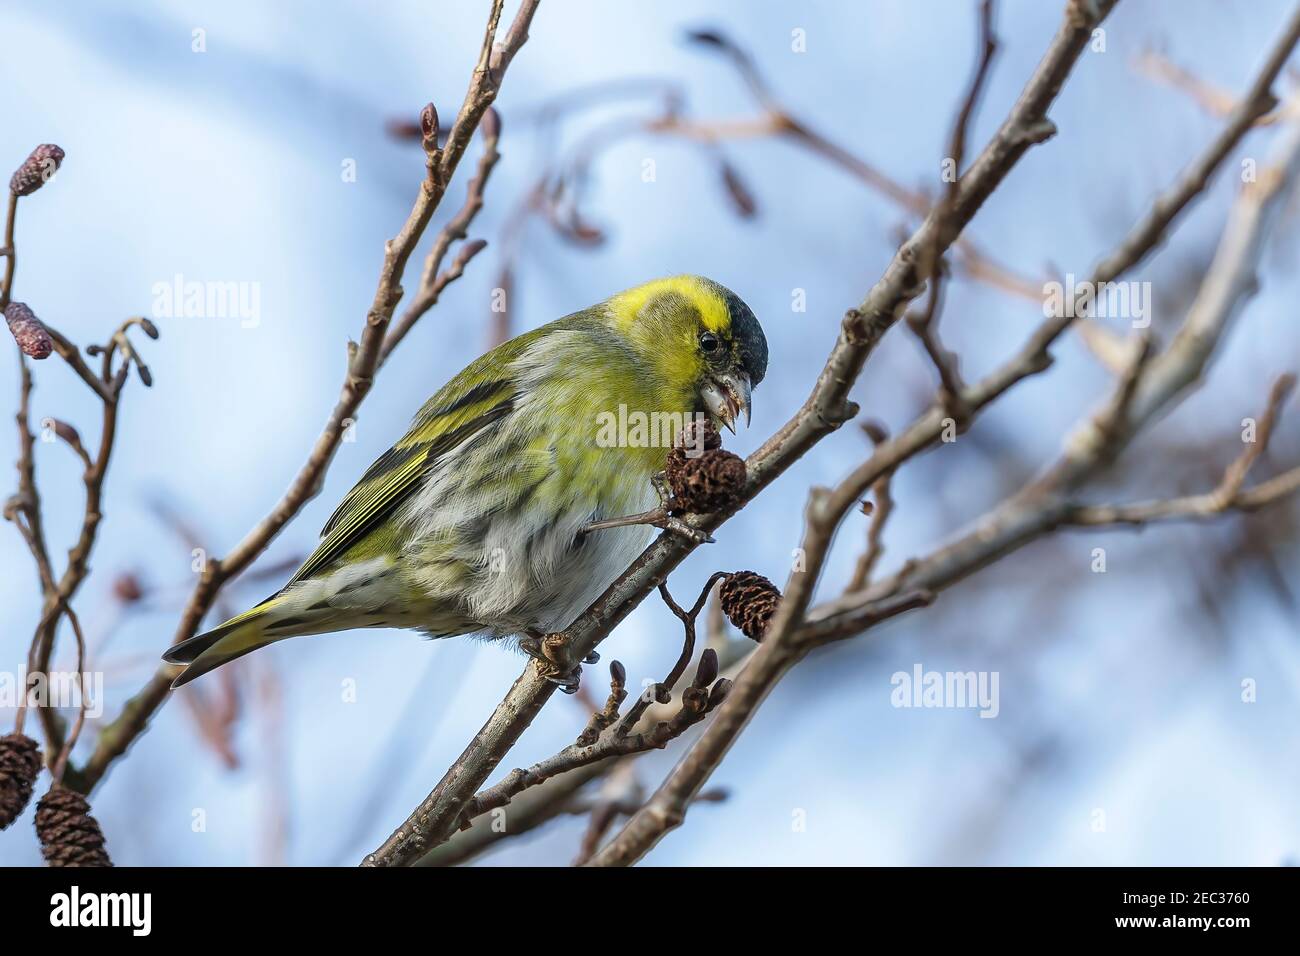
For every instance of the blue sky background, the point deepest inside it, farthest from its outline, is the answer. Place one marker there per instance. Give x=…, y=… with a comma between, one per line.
x=1120, y=692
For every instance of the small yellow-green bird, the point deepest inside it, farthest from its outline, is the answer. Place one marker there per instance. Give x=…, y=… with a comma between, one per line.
x=473, y=521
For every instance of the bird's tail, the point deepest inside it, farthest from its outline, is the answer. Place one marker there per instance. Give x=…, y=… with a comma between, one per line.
x=242, y=634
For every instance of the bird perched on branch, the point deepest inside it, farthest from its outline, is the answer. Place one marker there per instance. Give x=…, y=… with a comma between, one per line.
x=473, y=522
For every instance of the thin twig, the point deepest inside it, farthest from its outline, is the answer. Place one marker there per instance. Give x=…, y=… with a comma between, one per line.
x=614, y=739
x=1212, y=99
x=923, y=323
x=782, y=647
x=433, y=280
x=1228, y=495
x=10, y=251
x=881, y=511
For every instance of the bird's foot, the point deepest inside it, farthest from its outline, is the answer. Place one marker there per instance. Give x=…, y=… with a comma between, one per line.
x=677, y=526
x=659, y=482
x=661, y=517
x=568, y=683
x=549, y=654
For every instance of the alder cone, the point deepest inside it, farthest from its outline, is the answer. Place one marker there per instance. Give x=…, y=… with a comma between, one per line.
x=706, y=483
x=36, y=169
x=749, y=600
x=20, y=763
x=69, y=835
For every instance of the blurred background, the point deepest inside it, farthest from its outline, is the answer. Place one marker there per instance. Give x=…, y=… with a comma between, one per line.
x=1122, y=736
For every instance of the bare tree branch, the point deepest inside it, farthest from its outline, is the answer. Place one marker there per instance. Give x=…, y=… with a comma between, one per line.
x=557, y=795
x=24, y=509
x=1047, y=502
x=613, y=737
x=1215, y=101
x=882, y=508
x=433, y=279
x=923, y=322
x=1227, y=496
x=782, y=648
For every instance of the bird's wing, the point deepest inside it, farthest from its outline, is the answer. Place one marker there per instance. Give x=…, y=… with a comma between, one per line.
x=465, y=406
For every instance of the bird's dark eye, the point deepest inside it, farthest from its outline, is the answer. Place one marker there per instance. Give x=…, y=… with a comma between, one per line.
x=709, y=342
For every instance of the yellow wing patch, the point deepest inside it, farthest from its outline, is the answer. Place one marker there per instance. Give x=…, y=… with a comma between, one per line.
x=399, y=471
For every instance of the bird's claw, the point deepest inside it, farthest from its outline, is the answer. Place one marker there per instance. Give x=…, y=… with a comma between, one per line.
x=661, y=517
x=568, y=684
x=680, y=527
x=659, y=481
x=548, y=653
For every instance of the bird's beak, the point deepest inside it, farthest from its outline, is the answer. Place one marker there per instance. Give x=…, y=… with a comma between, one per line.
x=726, y=396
